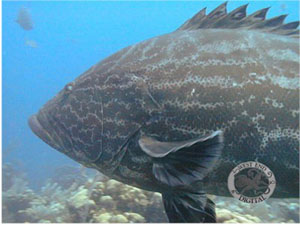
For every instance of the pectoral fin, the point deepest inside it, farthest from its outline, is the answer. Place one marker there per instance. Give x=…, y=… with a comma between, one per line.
x=189, y=207
x=181, y=163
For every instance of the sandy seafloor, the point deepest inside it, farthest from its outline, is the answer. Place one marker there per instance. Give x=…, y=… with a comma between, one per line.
x=77, y=195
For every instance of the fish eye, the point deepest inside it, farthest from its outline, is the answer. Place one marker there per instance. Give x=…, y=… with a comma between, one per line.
x=69, y=87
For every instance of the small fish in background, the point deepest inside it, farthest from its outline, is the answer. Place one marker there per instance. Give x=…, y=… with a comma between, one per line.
x=283, y=7
x=31, y=43
x=24, y=19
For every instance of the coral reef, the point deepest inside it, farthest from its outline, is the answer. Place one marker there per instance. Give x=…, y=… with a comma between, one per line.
x=66, y=175
x=11, y=175
x=96, y=199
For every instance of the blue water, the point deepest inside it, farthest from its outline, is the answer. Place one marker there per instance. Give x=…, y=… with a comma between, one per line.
x=71, y=37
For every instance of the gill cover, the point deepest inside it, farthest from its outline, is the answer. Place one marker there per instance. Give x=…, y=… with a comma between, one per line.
x=82, y=115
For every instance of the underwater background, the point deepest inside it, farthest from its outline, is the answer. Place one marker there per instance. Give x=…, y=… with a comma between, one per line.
x=67, y=38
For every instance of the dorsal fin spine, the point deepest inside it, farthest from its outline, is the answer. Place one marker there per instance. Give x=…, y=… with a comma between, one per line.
x=219, y=18
x=289, y=26
x=260, y=14
x=241, y=11
x=227, y=21
x=219, y=11
x=196, y=19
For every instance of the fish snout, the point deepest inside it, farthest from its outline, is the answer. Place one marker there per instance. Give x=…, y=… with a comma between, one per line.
x=40, y=127
x=37, y=128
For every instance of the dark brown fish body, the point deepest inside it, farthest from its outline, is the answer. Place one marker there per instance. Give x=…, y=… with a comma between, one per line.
x=178, y=87
x=242, y=82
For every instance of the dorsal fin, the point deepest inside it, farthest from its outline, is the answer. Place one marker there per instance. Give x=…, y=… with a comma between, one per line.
x=270, y=23
x=215, y=15
x=259, y=15
x=232, y=19
x=238, y=13
x=219, y=18
x=287, y=29
x=289, y=26
x=194, y=21
x=218, y=12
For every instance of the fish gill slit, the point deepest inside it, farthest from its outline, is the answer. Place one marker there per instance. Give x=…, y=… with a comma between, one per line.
x=153, y=99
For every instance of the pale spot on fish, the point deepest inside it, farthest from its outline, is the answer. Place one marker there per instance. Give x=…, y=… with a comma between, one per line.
x=244, y=113
x=192, y=92
x=251, y=98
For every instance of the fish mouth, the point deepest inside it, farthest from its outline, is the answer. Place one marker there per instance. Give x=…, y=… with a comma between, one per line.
x=50, y=131
x=38, y=124
x=38, y=129
x=42, y=127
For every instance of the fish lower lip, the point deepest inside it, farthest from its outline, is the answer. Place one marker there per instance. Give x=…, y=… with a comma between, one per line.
x=37, y=128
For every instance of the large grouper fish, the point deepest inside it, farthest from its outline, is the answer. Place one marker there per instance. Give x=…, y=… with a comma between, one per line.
x=176, y=113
